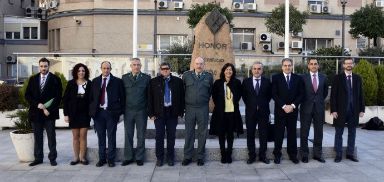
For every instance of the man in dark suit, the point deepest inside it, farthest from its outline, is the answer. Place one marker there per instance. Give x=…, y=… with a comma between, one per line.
x=106, y=105
x=256, y=96
x=44, y=96
x=165, y=105
x=287, y=92
x=347, y=104
x=312, y=109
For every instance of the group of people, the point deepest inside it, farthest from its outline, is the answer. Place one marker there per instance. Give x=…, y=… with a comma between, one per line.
x=166, y=98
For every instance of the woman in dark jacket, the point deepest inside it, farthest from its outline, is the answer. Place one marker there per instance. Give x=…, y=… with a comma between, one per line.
x=226, y=118
x=76, y=106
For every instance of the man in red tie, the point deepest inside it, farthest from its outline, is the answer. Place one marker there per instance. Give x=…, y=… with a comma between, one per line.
x=107, y=101
x=312, y=110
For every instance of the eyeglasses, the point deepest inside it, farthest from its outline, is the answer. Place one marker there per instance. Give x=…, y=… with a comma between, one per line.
x=164, y=69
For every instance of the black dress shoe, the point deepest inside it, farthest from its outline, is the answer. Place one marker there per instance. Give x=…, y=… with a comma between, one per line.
x=126, y=162
x=34, y=163
x=186, y=162
x=277, y=160
x=84, y=162
x=265, y=160
x=74, y=162
x=171, y=163
x=229, y=159
x=200, y=162
x=139, y=162
x=100, y=163
x=223, y=159
x=304, y=159
x=251, y=160
x=111, y=164
x=53, y=163
x=338, y=159
x=352, y=158
x=159, y=163
x=294, y=160
x=320, y=159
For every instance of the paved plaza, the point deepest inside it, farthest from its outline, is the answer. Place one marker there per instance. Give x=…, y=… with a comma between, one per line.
x=370, y=168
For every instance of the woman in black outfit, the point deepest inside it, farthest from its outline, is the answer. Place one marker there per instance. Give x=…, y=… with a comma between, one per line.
x=226, y=118
x=76, y=103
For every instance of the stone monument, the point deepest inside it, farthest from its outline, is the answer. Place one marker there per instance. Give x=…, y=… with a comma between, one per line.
x=212, y=42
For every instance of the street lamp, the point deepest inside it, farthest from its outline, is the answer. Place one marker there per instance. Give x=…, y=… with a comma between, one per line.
x=343, y=3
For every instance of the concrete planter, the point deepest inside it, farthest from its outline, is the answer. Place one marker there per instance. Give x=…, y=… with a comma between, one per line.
x=6, y=122
x=24, y=144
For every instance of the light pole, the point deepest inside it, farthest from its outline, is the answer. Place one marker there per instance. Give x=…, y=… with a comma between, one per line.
x=343, y=3
x=155, y=31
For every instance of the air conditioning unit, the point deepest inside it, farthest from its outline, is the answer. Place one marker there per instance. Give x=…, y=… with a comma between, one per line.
x=347, y=52
x=237, y=6
x=250, y=6
x=53, y=4
x=326, y=10
x=178, y=5
x=379, y=3
x=297, y=45
x=163, y=4
x=10, y=59
x=297, y=34
x=315, y=8
x=266, y=47
x=265, y=37
x=29, y=11
x=280, y=45
x=246, y=45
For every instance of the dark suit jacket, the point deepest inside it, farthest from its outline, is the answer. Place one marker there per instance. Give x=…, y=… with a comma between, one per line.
x=253, y=101
x=311, y=98
x=218, y=96
x=284, y=96
x=52, y=89
x=70, y=98
x=339, y=99
x=115, y=92
x=156, y=96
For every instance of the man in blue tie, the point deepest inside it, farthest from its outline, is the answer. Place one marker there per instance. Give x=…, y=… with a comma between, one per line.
x=347, y=104
x=165, y=106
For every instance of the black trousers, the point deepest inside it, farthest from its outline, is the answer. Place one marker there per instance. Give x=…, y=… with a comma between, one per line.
x=167, y=124
x=289, y=122
x=318, y=120
x=38, y=129
x=251, y=124
x=106, y=125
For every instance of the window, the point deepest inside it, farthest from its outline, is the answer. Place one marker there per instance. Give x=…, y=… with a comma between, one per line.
x=16, y=35
x=240, y=35
x=8, y=35
x=165, y=42
x=244, y=1
x=314, y=44
x=12, y=35
x=30, y=33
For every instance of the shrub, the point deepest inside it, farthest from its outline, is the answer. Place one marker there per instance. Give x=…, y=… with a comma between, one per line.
x=22, y=90
x=370, y=85
x=22, y=124
x=8, y=97
x=380, y=80
x=197, y=11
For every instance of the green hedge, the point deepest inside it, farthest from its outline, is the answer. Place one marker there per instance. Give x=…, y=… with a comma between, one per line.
x=369, y=77
x=380, y=80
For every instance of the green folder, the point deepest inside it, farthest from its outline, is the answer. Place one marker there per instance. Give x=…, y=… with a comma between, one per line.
x=49, y=103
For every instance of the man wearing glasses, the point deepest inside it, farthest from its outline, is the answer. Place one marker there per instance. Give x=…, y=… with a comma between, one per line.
x=165, y=105
x=312, y=110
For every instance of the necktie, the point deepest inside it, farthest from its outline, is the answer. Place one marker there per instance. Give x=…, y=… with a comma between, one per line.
x=198, y=75
x=42, y=83
x=257, y=87
x=102, y=95
x=314, y=83
x=167, y=92
x=349, y=82
x=288, y=81
x=135, y=77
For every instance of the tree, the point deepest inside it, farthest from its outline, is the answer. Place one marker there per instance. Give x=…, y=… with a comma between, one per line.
x=179, y=63
x=275, y=22
x=370, y=85
x=197, y=11
x=328, y=65
x=369, y=22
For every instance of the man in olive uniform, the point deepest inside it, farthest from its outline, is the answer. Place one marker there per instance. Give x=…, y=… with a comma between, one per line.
x=198, y=86
x=136, y=87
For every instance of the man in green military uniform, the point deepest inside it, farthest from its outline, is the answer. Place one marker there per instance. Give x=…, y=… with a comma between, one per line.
x=136, y=86
x=198, y=86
